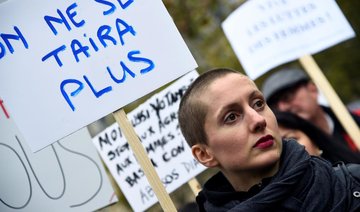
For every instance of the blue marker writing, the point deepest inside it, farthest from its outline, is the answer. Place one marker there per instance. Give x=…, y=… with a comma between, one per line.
x=71, y=14
x=7, y=37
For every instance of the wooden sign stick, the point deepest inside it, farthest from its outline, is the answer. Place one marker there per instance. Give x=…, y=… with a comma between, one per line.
x=337, y=106
x=194, y=186
x=144, y=161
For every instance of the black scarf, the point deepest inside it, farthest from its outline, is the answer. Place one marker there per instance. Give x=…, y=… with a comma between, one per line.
x=312, y=180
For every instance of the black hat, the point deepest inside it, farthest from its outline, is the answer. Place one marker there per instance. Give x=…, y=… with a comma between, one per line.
x=283, y=79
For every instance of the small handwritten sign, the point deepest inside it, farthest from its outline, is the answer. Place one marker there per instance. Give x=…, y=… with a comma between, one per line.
x=156, y=124
x=65, y=176
x=65, y=64
x=267, y=33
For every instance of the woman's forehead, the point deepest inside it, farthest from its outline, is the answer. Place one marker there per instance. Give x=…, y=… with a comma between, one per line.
x=230, y=90
x=232, y=81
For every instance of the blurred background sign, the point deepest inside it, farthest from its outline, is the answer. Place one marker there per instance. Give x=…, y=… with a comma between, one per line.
x=265, y=34
x=66, y=176
x=156, y=123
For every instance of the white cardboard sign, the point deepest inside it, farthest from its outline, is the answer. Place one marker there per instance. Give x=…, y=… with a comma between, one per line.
x=66, y=176
x=65, y=64
x=267, y=33
x=156, y=124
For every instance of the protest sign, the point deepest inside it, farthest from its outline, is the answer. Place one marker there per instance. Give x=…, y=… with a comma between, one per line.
x=66, y=176
x=66, y=64
x=156, y=124
x=267, y=33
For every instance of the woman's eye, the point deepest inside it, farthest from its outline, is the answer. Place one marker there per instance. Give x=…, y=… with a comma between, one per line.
x=259, y=104
x=230, y=118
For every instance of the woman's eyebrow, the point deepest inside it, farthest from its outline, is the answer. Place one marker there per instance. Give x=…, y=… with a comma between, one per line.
x=227, y=107
x=255, y=93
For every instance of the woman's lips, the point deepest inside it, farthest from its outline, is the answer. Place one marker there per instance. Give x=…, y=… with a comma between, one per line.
x=265, y=142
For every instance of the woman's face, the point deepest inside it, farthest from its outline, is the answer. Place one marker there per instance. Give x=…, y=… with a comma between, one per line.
x=301, y=138
x=242, y=131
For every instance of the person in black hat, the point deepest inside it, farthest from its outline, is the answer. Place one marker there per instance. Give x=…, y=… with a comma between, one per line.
x=291, y=90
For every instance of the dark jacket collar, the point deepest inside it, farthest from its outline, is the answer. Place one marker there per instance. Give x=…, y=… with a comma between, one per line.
x=299, y=175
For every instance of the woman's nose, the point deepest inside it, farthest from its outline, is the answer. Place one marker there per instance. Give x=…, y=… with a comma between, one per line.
x=257, y=122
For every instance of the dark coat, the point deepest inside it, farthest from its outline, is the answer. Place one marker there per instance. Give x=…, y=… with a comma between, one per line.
x=303, y=183
x=339, y=132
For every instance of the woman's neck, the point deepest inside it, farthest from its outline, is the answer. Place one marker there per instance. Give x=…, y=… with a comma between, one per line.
x=244, y=180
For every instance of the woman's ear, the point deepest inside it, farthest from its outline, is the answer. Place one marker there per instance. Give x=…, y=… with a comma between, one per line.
x=202, y=153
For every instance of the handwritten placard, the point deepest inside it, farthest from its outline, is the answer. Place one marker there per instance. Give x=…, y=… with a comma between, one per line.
x=156, y=124
x=267, y=33
x=66, y=176
x=65, y=64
